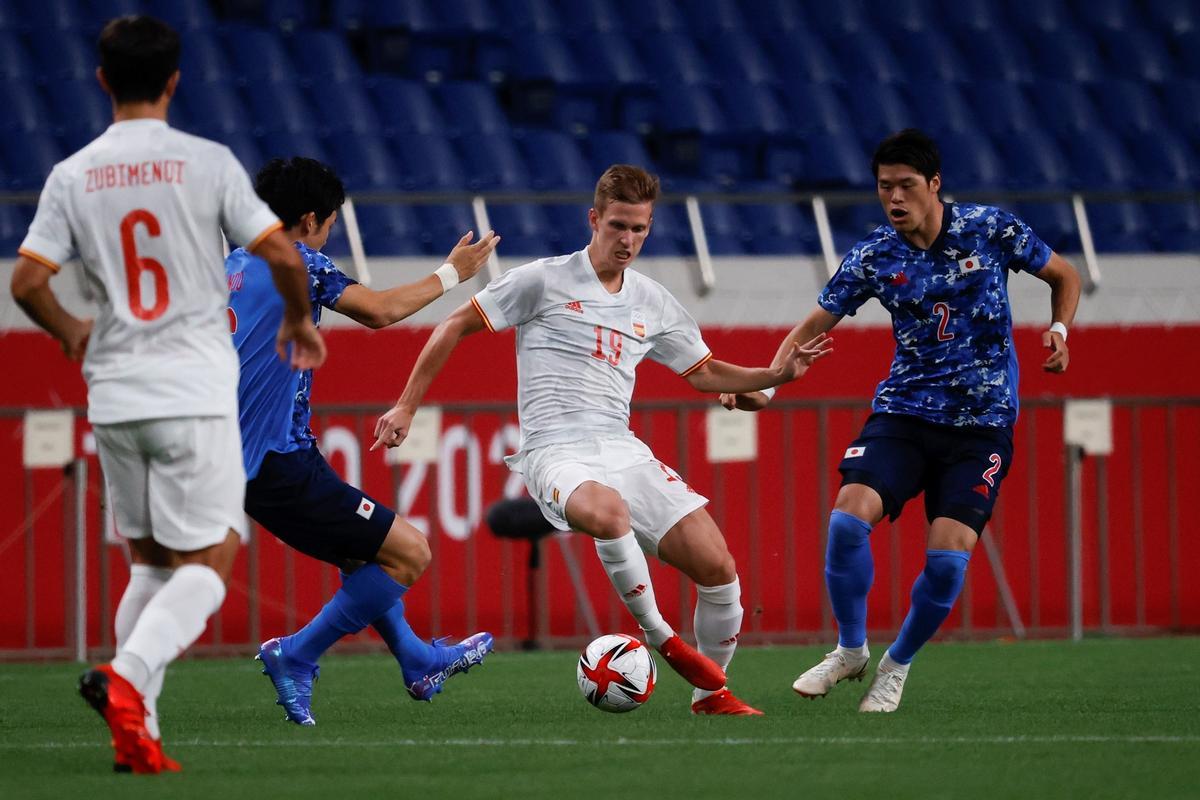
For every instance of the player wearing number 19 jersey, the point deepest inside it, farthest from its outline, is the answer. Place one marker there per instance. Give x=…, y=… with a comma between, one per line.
x=143, y=207
x=943, y=417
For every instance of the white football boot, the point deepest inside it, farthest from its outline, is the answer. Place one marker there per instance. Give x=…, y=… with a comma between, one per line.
x=837, y=666
x=883, y=695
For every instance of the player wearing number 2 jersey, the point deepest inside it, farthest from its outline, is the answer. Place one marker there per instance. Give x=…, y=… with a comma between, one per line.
x=143, y=207
x=584, y=321
x=943, y=417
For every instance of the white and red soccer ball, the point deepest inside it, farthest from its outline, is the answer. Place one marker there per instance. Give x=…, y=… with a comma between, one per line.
x=616, y=673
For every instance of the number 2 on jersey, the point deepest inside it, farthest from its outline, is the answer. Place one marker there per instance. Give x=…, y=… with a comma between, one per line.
x=615, y=340
x=943, y=310
x=135, y=265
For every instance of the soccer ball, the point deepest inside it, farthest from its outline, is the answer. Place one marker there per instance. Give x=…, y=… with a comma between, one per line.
x=616, y=673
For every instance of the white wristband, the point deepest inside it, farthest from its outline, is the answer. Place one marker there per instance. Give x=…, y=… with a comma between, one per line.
x=768, y=392
x=448, y=275
x=1059, y=328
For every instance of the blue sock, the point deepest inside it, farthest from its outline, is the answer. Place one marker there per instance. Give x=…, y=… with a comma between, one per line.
x=849, y=572
x=933, y=595
x=414, y=655
x=364, y=597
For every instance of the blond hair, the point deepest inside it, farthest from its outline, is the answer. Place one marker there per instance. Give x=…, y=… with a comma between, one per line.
x=625, y=183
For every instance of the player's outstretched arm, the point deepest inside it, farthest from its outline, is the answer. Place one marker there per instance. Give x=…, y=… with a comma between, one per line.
x=818, y=322
x=31, y=289
x=721, y=376
x=291, y=280
x=1065, y=287
x=380, y=309
x=392, y=428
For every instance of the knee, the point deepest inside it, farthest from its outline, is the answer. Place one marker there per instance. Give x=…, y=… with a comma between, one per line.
x=945, y=571
x=405, y=555
x=609, y=518
x=860, y=501
x=848, y=534
x=719, y=572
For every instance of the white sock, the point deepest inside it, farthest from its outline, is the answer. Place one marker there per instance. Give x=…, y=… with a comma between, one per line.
x=855, y=652
x=717, y=623
x=886, y=664
x=173, y=619
x=626, y=566
x=144, y=583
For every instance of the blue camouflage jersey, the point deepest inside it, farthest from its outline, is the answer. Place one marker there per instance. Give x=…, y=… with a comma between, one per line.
x=955, y=363
x=273, y=398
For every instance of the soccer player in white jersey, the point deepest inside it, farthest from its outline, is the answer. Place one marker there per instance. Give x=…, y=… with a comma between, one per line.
x=143, y=207
x=584, y=321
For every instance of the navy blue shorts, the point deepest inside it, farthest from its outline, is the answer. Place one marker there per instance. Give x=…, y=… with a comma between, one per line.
x=958, y=468
x=300, y=499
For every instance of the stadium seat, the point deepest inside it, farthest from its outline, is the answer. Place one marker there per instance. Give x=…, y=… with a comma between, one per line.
x=405, y=106
x=258, y=55
x=801, y=56
x=724, y=230
x=97, y=13
x=1111, y=14
x=777, y=228
x=1182, y=96
x=1032, y=160
x=672, y=58
x=347, y=107
x=929, y=57
x=836, y=162
x=1174, y=16
x=443, y=226
x=524, y=228
x=62, y=54
x=784, y=163
x=412, y=15
x=1139, y=54
x=1068, y=55
x=1119, y=228
x=555, y=161
x=389, y=229
x=715, y=18
x=348, y=15
x=754, y=112
x=214, y=109
x=738, y=58
x=651, y=15
x=363, y=161
x=774, y=16
x=1054, y=224
x=971, y=16
x=469, y=106
x=537, y=15
x=851, y=224
x=323, y=56
x=82, y=110
x=670, y=234
x=185, y=16
x=1164, y=161
x=969, y=162
x=1003, y=107
x=285, y=144
x=14, y=224
x=29, y=160
x=1187, y=53
x=816, y=108
x=835, y=20
x=291, y=15
x=691, y=109
x=16, y=64
x=1005, y=57
x=945, y=109
x=612, y=60
x=428, y=162
x=543, y=57
x=1040, y=15
x=866, y=56
x=50, y=15
x=1100, y=162
x=606, y=148
x=492, y=162
x=911, y=16
x=202, y=59
x=23, y=107
x=1174, y=227
x=280, y=106
x=1128, y=106
x=1065, y=108
x=245, y=148
x=472, y=17
x=879, y=110
x=569, y=229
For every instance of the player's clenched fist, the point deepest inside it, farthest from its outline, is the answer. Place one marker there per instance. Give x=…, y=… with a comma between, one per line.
x=392, y=428
x=1059, y=355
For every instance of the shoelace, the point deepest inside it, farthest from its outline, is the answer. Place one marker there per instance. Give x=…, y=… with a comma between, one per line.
x=831, y=662
x=893, y=681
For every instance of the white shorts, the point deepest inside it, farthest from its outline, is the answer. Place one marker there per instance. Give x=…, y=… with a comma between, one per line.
x=655, y=494
x=178, y=480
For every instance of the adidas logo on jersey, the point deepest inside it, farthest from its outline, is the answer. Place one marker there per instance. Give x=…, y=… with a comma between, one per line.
x=574, y=305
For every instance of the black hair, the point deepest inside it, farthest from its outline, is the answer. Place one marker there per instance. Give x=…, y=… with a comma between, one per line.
x=294, y=187
x=138, y=55
x=909, y=147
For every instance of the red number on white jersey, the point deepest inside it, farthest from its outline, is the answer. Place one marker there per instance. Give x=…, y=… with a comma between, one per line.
x=615, y=341
x=135, y=265
x=989, y=474
x=944, y=311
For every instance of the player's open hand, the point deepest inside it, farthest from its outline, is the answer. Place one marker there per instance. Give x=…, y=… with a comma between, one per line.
x=392, y=428
x=307, y=346
x=76, y=342
x=1059, y=355
x=802, y=356
x=469, y=258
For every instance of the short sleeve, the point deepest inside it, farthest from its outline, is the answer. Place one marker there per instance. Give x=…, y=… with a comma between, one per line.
x=49, y=240
x=679, y=345
x=848, y=289
x=513, y=298
x=326, y=281
x=245, y=218
x=1021, y=247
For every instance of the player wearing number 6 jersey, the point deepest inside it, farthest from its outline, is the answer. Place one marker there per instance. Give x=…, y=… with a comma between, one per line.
x=943, y=417
x=584, y=321
x=143, y=207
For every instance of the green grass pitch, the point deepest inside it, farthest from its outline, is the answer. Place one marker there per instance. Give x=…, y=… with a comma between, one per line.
x=1104, y=718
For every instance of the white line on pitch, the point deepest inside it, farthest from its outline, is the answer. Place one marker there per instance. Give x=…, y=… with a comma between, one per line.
x=725, y=742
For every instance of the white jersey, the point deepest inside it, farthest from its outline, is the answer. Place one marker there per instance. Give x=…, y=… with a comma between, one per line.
x=143, y=207
x=578, y=345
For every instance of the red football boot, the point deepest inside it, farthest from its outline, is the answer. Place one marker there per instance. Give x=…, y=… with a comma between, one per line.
x=121, y=706
x=723, y=702
x=697, y=669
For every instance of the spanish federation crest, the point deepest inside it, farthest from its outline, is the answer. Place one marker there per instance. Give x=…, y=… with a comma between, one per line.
x=639, y=325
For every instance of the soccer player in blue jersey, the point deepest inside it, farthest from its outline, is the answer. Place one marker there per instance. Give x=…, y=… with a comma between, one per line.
x=292, y=491
x=943, y=418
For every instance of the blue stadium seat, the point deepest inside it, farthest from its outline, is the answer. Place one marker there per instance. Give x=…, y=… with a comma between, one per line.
x=470, y=17
x=670, y=234
x=835, y=20
x=347, y=107
x=1067, y=55
x=405, y=106
x=930, y=57
x=280, y=106
x=492, y=162
x=55, y=15
x=245, y=148
x=97, y=13
x=610, y=59
x=543, y=57
x=524, y=228
x=1174, y=227
x=606, y=148
x=971, y=16
x=555, y=161
x=711, y=18
x=1174, y=16
x=535, y=15
x=652, y=15
x=23, y=107
x=214, y=109
x=754, y=112
x=851, y=224
x=691, y=109
x=1139, y=54
x=969, y=162
x=838, y=162
x=1164, y=161
x=1040, y=15
x=911, y=16
x=413, y=15
x=673, y=57
x=879, y=110
x=258, y=55
x=16, y=64
x=738, y=58
x=29, y=160
x=801, y=56
x=1128, y=106
x=428, y=162
x=324, y=56
x=63, y=54
x=1065, y=108
x=1054, y=224
x=1032, y=160
x=816, y=108
x=185, y=16
x=784, y=163
x=470, y=106
x=14, y=224
x=348, y=15
x=444, y=226
x=201, y=59
x=866, y=56
x=364, y=162
x=774, y=16
x=291, y=15
x=1187, y=53
x=81, y=109
x=569, y=229
x=286, y=144
x=1119, y=227
x=1099, y=162
x=390, y=229
x=1111, y=14
x=1003, y=107
x=777, y=229
x=945, y=109
x=1006, y=57
x=1182, y=96
x=723, y=229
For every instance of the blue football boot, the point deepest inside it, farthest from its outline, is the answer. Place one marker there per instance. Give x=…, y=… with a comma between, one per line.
x=293, y=682
x=451, y=659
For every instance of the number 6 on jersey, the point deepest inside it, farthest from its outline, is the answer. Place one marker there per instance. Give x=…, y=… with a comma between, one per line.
x=135, y=265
